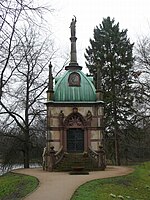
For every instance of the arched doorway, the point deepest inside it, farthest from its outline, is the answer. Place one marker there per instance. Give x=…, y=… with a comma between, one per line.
x=75, y=133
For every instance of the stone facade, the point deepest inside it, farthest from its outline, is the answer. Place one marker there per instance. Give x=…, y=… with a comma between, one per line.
x=62, y=117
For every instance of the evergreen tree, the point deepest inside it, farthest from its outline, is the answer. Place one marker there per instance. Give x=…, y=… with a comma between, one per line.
x=110, y=59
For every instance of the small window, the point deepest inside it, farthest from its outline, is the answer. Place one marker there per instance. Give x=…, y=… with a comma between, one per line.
x=74, y=79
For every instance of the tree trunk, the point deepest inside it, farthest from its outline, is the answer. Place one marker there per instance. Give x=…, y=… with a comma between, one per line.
x=117, y=153
x=27, y=134
x=26, y=156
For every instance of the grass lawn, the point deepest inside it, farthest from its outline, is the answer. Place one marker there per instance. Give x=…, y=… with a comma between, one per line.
x=16, y=186
x=135, y=186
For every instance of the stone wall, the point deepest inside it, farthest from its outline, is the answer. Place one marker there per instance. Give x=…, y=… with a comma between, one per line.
x=92, y=130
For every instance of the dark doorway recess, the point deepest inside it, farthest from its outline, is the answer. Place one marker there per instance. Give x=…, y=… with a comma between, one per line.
x=75, y=140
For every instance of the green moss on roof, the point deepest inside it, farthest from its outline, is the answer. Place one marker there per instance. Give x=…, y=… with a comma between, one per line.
x=84, y=92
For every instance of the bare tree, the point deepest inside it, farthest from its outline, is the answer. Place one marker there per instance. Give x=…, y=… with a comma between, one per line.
x=13, y=15
x=23, y=74
x=137, y=131
x=142, y=75
x=28, y=83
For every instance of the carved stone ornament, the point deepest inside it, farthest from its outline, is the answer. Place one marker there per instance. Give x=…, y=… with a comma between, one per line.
x=89, y=117
x=74, y=79
x=75, y=110
x=61, y=118
x=75, y=121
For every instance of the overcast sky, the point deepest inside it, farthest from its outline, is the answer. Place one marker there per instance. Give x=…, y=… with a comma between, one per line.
x=133, y=15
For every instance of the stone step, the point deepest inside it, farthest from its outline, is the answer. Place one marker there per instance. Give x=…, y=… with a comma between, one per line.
x=76, y=160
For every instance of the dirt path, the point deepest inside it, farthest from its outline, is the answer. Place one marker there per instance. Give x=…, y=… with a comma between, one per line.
x=61, y=186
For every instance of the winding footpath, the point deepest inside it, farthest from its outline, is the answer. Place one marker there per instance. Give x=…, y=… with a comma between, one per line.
x=61, y=186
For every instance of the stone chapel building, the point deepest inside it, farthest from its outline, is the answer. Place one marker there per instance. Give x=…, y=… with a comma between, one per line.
x=74, y=110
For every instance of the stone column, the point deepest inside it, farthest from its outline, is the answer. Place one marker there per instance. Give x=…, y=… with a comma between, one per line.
x=73, y=54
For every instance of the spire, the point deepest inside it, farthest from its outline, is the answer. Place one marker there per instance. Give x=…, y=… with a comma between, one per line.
x=50, y=84
x=73, y=54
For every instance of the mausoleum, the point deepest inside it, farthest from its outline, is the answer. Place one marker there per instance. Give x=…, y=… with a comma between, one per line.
x=74, y=112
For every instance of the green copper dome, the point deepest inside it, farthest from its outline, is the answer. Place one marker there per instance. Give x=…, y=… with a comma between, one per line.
x=74, y=85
